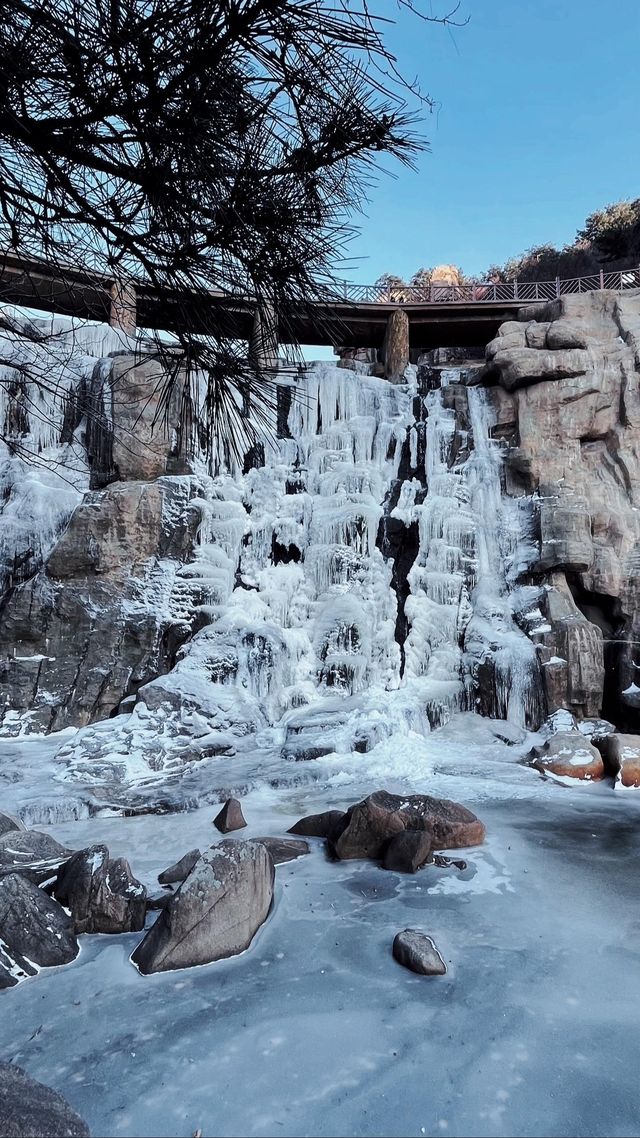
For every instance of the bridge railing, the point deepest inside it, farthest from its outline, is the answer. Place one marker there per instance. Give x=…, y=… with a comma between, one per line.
x=487, y=291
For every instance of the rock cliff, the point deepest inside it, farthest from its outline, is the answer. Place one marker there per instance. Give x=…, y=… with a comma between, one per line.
x=568, y=409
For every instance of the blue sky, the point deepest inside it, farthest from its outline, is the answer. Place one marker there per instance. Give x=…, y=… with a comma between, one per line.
x=538, y=125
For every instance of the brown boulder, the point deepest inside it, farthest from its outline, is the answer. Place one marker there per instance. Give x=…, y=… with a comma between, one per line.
x=319, y=825
x=369, y=824
x=569, y=755
x=230, y=817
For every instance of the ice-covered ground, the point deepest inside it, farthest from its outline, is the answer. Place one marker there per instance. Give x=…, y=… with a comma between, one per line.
x=315, y=1030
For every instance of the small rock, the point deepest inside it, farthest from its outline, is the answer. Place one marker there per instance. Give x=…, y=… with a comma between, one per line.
x=9, y=823
x=284, y=849
x=177, y=873
x=417, y=951
x=28, y=1109
x=30, y=850
x=230, y=817
x=33, y=925
x=319, y=825
x=568, y=754
x=506, y=732
x=449, y=862
x=215, y=913
x=407, y=852
x=102, y=893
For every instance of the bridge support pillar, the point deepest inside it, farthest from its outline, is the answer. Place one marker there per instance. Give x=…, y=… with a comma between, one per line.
x=122, y=313
x=263, y=345
x=395, y=350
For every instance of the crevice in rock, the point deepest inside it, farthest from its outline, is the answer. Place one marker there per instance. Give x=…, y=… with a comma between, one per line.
x=605, y=612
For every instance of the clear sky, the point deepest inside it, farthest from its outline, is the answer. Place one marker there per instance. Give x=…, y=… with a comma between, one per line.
x=538, y=125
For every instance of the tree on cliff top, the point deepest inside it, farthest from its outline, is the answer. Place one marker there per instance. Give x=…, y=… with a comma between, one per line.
x=198, y=145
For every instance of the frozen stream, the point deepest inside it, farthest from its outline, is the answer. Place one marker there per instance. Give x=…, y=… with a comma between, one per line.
x=316, y=1030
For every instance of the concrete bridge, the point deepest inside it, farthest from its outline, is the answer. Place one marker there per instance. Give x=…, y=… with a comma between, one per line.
x=367, y=316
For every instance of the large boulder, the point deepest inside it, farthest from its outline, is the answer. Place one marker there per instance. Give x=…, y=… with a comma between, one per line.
x=28, y=1109
x=37, y=855
x=215, y=913
x=568, y=754
x=408, y=851
x=370, y=824
x=102, y=893
x=621, y=754
x=33, y=925
x=284, y=849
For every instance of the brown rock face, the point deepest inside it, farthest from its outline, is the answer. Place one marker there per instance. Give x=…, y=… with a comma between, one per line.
x=574, y=432
x=370, y=824
x=569, y=755
x=319, y=825
x=396, y=345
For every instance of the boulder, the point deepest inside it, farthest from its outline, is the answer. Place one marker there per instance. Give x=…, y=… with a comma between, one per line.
x=177, y=873
x=408, y=851
x=28, y=1109
x=37, y=855
x=8, y=823
x=318, y=825
x=230, y=817
x=621, y=755
x=417, y=951
x=33, y=925
x=215, y=913
x=284, y=849
x=369, y=824
x=101, y=892
x=570, y=755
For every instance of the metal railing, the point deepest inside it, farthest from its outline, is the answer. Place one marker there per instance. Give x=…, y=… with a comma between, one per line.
x=487, y=291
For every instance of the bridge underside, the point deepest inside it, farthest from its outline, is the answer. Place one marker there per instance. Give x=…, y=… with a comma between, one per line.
x=358, y=325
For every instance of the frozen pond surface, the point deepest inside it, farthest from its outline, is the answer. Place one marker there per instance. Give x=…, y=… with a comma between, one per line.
x=315, y=1030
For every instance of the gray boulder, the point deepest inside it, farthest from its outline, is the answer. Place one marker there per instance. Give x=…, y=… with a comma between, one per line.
x=215, y=913
x=176, y=873
x=34, y=925
x=36, y=854
x=417, y=951
x=102, y=893
x=9, y=823
x=230, y=817
x=28, y=1109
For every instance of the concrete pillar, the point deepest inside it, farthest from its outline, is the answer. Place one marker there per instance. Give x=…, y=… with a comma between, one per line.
x=263, y=345
x=396, y=345
x=122, y=313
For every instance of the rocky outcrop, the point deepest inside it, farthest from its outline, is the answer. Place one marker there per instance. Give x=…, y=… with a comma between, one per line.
x=28, y=1108
x=568, y=409
x=103, y=616
x=36, y=855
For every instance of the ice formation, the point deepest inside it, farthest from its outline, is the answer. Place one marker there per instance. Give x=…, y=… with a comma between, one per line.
x=356, y=586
